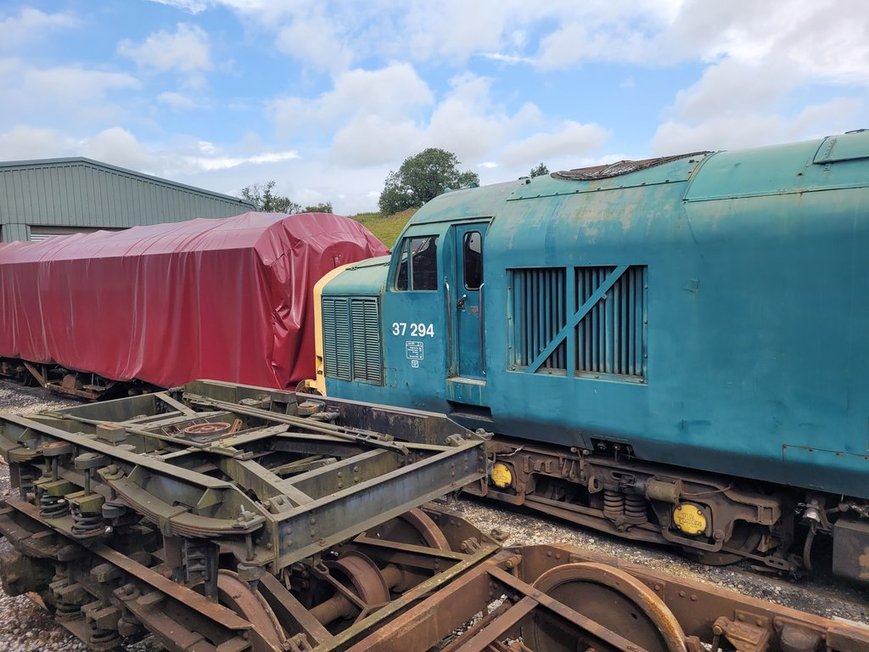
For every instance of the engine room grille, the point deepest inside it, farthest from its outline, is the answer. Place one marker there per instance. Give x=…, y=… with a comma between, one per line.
x=539, y=312
x=351, y=339
x=583, y=321
x=611, y=337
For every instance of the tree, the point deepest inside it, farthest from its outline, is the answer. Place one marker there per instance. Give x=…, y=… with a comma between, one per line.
x=421, y=178
x=262, y=197
x=539, y=171
x=322, y=207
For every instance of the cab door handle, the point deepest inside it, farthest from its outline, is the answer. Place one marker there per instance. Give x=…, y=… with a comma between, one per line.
x=460, y=304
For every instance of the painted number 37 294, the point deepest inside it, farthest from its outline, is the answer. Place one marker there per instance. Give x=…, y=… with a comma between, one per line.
x=414, y=329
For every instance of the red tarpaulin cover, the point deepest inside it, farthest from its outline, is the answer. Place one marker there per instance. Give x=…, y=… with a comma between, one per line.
x=228, y=299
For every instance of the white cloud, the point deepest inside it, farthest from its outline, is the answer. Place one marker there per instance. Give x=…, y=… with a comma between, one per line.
x=573, y=140
x=511, y=59
x=186, y=49
x=823, y=39
x=313, y=38
x=376, y=120
x=836, y=116
x=392, y=93
x=190, y=6
x=75, y=83
x=374, y=140
x=176, y=101
x=118, y=146
x=114, y=145
x=760, y=57
x=60, y=94
x=23, y=142
x=581, y=41
x=468, y=122
x=32, y=25
x=723, y=131
x=735, y=85
x=748, y=127
x=828, y=38
x=455, y=29
x=219, y=161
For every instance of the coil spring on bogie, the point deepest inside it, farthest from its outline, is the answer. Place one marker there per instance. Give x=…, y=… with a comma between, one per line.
x=102, y=637
x=25, y=482
x=635, y=509
x=67, y=611
x=83, y=524
x=53, y=506
x=613, y=504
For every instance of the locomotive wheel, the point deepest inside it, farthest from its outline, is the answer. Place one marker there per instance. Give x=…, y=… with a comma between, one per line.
x=612, y=598
x=235, y=593
x=362, y=588
x=417, y=528
x=362, y=577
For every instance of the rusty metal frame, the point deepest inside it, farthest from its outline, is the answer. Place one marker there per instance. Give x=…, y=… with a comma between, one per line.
x=706, y=614
x=375, y=477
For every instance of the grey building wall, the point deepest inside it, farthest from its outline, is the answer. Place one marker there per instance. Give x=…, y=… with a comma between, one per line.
x=78, y=194
x=13, y=232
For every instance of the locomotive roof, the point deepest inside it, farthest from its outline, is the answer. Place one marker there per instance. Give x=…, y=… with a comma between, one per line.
x=790, y=168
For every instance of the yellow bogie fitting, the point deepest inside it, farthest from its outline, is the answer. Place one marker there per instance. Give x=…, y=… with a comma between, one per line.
x=689, y=518
x=502, y=476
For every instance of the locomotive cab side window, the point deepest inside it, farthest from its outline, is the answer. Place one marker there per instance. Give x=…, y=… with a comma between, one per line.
x=418, y=268
x=472, y=245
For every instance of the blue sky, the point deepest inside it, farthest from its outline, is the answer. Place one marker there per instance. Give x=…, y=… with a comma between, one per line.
x=327, y=97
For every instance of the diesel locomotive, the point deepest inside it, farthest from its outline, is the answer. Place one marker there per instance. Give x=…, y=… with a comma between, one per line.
x=673, y=350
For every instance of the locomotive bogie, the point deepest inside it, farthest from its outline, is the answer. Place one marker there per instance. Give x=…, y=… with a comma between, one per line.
x=705, y=515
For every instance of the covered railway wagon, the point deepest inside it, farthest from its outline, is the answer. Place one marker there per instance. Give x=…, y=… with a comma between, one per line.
x=673, y=350
x=227, y=299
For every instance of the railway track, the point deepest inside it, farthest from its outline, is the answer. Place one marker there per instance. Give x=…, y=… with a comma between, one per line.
x=533, y=594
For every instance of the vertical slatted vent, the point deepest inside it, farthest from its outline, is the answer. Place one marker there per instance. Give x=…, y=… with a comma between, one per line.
x=351, y=339
x=611, y=337
x=336, y=338
x=609, y=340
x=539, y=312
x=365, y=317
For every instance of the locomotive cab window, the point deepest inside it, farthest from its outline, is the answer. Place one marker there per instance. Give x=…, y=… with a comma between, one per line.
x=473, y=260
x=418, y=268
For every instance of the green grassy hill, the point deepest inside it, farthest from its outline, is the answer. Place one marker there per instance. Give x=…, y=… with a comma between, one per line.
x=385, y=228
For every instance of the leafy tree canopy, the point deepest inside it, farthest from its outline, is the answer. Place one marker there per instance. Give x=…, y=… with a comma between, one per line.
x=323, y=207
x=539, y=171
x=421, y=178
x=265, y=200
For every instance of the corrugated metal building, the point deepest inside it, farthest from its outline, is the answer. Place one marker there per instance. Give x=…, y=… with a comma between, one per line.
x=48, y=197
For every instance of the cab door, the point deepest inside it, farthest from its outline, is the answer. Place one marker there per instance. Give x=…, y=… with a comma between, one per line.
x=465, y=297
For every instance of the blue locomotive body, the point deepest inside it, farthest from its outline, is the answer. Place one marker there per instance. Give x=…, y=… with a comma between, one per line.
x=708, y=313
